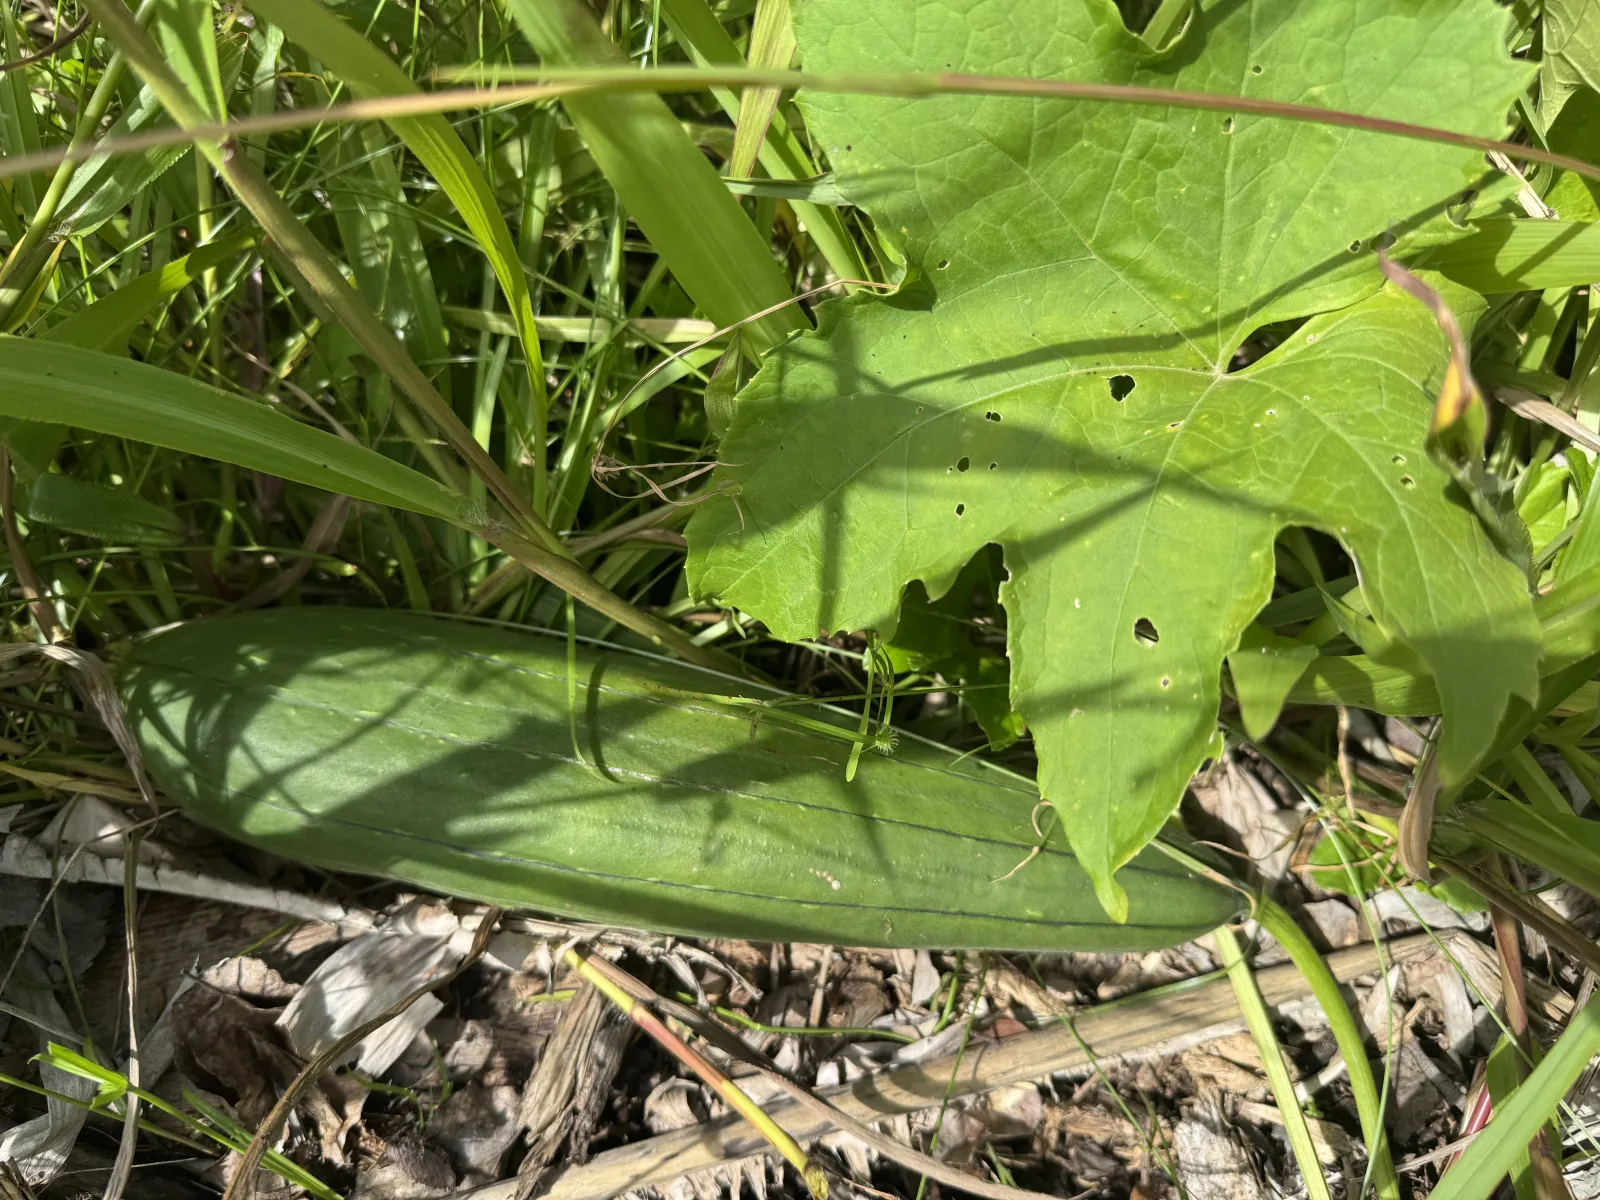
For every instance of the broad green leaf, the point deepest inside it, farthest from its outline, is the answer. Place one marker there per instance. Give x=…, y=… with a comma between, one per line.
x=664, y=181
x=95, y=510
x=1513, y=254
x=1264, y=668
x=68, y=386
x=1576, y=133
x=1494, y=1151
x=1571, y=57
x=1059, y=380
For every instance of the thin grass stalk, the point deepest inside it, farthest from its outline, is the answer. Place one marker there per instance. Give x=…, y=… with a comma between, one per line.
x=369, y=71
x=1259, y=1022
x=94, y=111
x=663, y=180
x=816, y=1182
x=909, y=85
x=1276, y=921
x=571, y=577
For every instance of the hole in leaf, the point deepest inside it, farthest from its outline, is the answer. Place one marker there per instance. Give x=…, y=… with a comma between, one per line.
x=1407, y=481
x=991, y=415
x=1227, y=125
x=961, y=510
x=1398, y=459
x=1166, y=681
x=1256, y=69
x=993, y=466
x=1144, y=632
x=964, y=463
x=1355, y=247
x=1121, y=386
x=943, y=263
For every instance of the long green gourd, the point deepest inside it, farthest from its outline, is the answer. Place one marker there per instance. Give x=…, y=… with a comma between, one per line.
x=445, y=754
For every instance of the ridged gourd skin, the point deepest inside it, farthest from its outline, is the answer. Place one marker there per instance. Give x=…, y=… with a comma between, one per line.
x=439, y=753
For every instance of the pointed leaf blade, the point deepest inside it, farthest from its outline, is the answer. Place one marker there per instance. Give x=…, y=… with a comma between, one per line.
x=65, y=385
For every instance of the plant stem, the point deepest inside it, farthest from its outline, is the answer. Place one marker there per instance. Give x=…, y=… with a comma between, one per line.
x=1276, y=921
x=571, y=577
x=1259, y=1021
x=816, y=1182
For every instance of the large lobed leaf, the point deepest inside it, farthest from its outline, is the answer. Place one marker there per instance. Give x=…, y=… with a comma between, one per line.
x=1070, y=252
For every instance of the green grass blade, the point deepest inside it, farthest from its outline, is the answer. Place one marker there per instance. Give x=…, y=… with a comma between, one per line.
x=772, y=44
x=1495, y=1151
x=1259, y=1021
x=40, y=381
x=33, y=445
x=370, y=72
x=1537, y=786
x=1583, y=551
x=312, y=262
x=106, y=324
x=182, y=28
x=697, y=28
x=665, y=182
x=1348, y=1035
x=1512, y=255
x=19, y=128
x=1356, y=680
x=411, y=261
x=1502, y=1078
x=103, y=186
x=1565, y=844
x=110, y=514
x=1567, y=618
x=267, y=43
